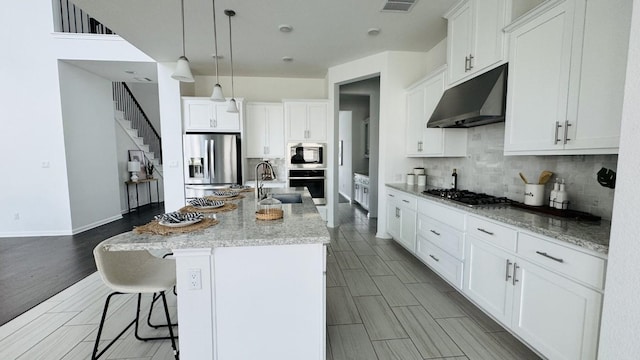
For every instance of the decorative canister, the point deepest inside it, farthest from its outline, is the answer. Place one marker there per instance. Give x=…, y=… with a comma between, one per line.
x=411, y=179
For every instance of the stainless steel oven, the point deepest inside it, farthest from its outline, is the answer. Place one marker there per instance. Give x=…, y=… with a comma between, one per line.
x=313, y=180
x=306, y=155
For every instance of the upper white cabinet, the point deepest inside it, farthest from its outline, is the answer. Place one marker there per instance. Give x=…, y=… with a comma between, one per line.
x=264, y=130
x=422, y=99
x=306, y=120
x=475, y=40
x=202, y=114
x=567, y=63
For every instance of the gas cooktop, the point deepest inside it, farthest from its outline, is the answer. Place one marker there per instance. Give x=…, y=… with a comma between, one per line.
x=468, y=198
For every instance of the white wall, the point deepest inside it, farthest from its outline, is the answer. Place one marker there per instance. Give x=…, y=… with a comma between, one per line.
x=621, y=311
x=345, y=170
x=397, y=70
x=90, y=146
x=34, y=197
x=264, y=88
x=147, y=97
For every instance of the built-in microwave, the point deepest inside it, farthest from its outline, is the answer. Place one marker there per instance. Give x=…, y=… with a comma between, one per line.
x=306, y=155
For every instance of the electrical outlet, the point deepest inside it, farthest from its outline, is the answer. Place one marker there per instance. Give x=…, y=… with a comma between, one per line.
x=195, y=279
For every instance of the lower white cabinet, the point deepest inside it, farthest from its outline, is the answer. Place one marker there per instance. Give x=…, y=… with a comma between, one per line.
x=555, y=315
x=361, y=190
x=548, y=307
x=401, y=218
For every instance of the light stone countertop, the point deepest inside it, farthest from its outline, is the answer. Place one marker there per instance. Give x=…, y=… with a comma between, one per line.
x=301, y=224
x=587, y=234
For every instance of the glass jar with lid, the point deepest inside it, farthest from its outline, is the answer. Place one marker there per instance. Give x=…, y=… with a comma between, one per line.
x=269, y=209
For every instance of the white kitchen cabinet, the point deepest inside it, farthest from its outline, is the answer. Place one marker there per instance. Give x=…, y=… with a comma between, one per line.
x=475, y=41
x=361, y=190
x=401, y=218
x=203, y=115
x=487, y=278
x=557, y=316
x=548, y=294
x=306, y=120
x=566, y=76
x=264, y=130
x=422, y=99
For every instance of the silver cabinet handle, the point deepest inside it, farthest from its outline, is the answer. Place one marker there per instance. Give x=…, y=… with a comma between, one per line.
x=434, y=258
x=215, y=123
x=391, y=195
x=550, y=257
x=405, y=201
x=555, y=138
x=365, y=189
x=471, y=61
x=566, y=131
x=420, y=146
x=211, y=122
x=397, y=212
x=485, y=231
x=435, y=232
x=507, y=276
x=466, y=63
x=515, y=268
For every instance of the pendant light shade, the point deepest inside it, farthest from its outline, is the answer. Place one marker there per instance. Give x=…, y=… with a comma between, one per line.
x=183, y=70
x=216, y=94
x=233, y=107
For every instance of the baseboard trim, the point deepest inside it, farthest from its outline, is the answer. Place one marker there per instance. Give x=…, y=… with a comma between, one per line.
x=95, y=224
x=35, y=233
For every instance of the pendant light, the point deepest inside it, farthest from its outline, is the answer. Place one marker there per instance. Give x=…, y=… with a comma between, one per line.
x=233, y=107
x=183, y=71
x=217, y=94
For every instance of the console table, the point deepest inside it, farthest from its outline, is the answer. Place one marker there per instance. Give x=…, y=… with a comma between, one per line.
x=142, y=181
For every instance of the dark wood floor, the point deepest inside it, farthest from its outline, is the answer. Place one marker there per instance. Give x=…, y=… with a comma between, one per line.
x=32, y=269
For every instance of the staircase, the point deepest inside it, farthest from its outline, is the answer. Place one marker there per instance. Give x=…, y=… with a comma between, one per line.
x=130, y=116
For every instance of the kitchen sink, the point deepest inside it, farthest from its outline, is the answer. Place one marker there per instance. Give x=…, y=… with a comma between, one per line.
x=288, y=198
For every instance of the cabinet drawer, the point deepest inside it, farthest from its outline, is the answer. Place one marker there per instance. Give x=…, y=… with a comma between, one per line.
x=498, y=235
x=403, y=199
x=443, y=236
x=578, y=265
x=444, y=264
x=442, y=213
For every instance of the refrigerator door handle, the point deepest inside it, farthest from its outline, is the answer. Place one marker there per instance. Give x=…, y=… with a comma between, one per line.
x=212, y=161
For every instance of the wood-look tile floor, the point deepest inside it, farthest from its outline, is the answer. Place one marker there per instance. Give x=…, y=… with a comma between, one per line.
x=382, y=304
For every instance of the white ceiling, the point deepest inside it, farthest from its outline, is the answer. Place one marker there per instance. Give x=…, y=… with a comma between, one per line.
x=325, y=32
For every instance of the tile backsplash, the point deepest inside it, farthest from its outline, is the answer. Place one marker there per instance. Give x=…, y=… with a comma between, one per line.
x=486, y=169
x=279, y=167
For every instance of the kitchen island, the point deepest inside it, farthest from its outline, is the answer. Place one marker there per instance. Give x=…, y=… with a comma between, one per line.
x=247, y=288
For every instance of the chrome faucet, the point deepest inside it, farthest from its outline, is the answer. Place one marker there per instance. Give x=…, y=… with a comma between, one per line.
x=267, y=174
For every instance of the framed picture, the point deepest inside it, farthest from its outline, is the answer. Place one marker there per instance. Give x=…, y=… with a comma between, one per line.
x=138, y=155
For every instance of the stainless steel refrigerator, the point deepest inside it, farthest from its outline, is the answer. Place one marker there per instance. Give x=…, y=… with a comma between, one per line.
x=211, y=161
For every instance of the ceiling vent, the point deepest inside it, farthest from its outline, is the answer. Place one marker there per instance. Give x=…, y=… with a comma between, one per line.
x=398, y=5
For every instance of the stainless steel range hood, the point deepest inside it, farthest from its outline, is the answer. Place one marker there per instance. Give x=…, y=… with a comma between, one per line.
x=479, y=101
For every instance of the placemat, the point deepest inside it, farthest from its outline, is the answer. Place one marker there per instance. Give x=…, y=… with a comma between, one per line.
x=154, y=228
x=215, y=198
x=228, y=206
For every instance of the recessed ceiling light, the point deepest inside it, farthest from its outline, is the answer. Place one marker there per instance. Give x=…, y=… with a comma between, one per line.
x=285, y=28
x=287, y=58
x=373, y=31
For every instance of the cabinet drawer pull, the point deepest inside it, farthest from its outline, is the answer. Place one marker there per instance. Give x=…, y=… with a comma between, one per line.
x=471, y=61
x=550, y=257
x=485, y=231
x=406, y=201
x=435, y=232
x=434, y=258
x=391, y=195
x=507, y=276
x=515, y=268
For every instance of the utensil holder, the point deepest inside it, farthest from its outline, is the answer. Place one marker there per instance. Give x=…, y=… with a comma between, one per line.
x=534, y=194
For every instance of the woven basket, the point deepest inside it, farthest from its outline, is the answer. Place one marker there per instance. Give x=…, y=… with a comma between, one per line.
x=273, y=214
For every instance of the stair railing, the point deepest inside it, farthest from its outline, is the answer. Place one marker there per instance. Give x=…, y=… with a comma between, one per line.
x=127, y=103
x=75, y=20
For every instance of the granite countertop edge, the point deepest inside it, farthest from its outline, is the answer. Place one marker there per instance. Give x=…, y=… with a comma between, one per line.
x=301, y=224
x=593, y=236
